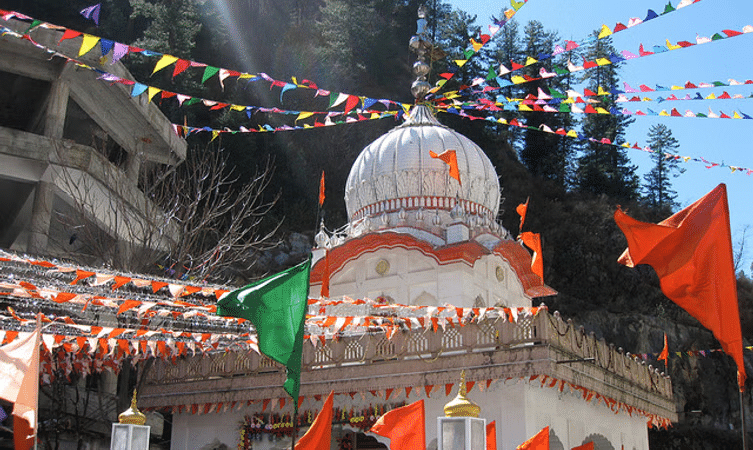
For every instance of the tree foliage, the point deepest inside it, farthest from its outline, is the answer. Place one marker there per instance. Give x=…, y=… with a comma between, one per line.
x=658, y=192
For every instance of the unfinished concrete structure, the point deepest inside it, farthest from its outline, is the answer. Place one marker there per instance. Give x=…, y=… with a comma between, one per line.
x=72, y=147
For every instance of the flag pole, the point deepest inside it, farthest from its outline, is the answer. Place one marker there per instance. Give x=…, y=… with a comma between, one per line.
x=742, y=420
x=295, y=424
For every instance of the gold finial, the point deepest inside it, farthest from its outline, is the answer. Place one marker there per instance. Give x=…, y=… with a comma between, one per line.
x=460, y=406
x=132, y=415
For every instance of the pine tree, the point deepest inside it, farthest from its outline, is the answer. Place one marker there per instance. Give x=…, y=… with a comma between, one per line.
x=658, y=192
x=604, y=168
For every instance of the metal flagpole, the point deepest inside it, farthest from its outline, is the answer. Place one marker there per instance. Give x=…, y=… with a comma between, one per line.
x=742, y=420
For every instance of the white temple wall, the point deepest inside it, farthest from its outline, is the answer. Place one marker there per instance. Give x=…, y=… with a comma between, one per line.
x=519, y=408
x=413, y=278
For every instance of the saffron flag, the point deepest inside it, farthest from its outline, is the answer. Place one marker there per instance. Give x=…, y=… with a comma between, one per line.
x=665, y=351
x=319, y=435
x=405, y=427
x=276, y=306
x=691, y=252
x=19, y=372
x=321, y=190
x=451, y=159
x=522, y=209
x=586, y=446
x=491, y=435
x=539, y=442
x=533, y=241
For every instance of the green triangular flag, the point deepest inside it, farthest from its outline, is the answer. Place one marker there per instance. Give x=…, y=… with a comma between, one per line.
x=276, y=306
x=669, y=8
x=492, y=74
x=209, y=71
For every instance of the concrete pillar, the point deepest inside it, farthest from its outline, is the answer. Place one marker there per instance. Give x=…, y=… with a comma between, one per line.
x=133, y=167
x=41, y=214
x=57, y=107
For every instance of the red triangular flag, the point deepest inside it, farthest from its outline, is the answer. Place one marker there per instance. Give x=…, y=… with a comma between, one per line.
x=691, y=252
x=539, y=442
x=586, y=446
x=405, y=427
x=319, y=435
x=450, y=158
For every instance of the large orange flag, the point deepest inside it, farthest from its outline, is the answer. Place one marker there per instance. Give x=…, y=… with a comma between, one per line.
x=491, y=435
x=404, y=426
x=451, y=159
x=539, y=442
x=533, y=241
x=319, y=435
x=691, y=252
x=19, y=372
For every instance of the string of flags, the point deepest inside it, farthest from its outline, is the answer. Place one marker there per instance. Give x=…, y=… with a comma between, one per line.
x=573, y=134
x=605, y=31
x=116, y=51
x=557, y=70
x=476, y=45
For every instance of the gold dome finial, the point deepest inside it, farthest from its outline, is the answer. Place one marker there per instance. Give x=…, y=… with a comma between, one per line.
x=132, y=415
x=460, y=406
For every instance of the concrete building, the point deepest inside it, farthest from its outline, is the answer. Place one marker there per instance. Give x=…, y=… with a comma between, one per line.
x=72, y=147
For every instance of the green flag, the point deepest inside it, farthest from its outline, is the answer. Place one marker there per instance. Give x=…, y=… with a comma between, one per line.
x=276, y=306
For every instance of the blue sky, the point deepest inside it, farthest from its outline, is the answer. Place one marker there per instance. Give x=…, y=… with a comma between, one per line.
x=717, y=140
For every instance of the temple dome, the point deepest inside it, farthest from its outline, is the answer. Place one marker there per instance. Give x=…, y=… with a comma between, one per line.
x=396, y=173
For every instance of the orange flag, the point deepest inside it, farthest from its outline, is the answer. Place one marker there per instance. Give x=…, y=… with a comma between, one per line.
x=451, y=159
x=586, y=446
x=665, y=351
x=491, y=435
x=691, y=252
x=533, y=241
x=522, y=209
x=319, y=435
x=538, y=442
x=404, y=426
x=19, y=372
x=321, y=190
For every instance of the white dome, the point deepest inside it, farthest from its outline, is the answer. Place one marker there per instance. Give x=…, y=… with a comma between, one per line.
x=396, y=172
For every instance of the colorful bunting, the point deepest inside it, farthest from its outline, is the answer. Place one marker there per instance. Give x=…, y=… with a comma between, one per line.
x=92, y=12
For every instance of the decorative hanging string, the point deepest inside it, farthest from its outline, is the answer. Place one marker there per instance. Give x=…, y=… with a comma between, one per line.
x=606, y=141
x=558, y=71
x=119, y=50
x=568, y=45
x=477, y=45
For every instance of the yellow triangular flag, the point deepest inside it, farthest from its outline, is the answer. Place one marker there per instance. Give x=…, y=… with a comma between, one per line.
x=238, y=108
x=303, y=115
x=601, y=110
x=524, y=108
x=672, y=47
x=664, y=113
x=711, y=96
x=675, y=88
x=152, y=91
x=572, y=133
x=87, y=44
x=509, y=13
x=517, y=79
x=605, y=31
x=602, y=91
x=165, y=61
x=603, y=62
x=530, y=61
x=732, y=168
x=460, y=63
x=476, y=45
x=686, y=158
x=215, y=133
x=736, y=115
